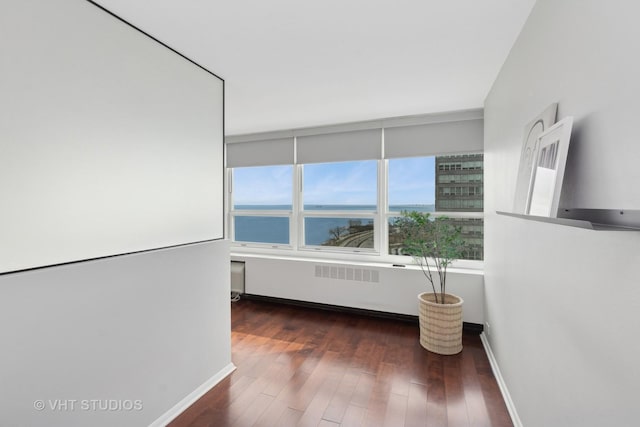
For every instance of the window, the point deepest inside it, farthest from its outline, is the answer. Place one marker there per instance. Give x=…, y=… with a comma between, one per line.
x=340, y=188
x=262, y=204
x=339, y=204
x=441, y=185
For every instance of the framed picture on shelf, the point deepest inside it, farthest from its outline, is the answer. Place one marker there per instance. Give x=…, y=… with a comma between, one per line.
x=529, y=153
x=548, y=173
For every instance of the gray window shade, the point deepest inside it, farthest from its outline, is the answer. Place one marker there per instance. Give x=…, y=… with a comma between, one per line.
x=434, y=138
x=342, y=146
x=260, y=153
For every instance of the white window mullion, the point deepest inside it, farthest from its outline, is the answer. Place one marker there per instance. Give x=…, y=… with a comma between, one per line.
x=383, y=206
x=299, y=205
x=296, y=218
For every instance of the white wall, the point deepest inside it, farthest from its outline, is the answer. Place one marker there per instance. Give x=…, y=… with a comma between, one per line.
x=152, y=326
x=82, y=134
x=564, y=303
x=110, y=143
x=395, y=290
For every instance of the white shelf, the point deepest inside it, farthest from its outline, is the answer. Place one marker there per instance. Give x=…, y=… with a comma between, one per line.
x=590, y=219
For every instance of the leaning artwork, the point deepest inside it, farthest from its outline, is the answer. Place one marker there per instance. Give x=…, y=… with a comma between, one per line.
x=528, y=155
x=546, y=183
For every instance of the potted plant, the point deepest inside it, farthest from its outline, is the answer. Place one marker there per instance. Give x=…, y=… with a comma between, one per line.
x=434, y=243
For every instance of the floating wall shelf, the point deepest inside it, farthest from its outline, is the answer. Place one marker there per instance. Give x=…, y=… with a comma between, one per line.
x=591, y=219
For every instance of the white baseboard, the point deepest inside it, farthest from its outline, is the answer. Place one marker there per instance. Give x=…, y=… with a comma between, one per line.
x=503, y=386
x=190, y=399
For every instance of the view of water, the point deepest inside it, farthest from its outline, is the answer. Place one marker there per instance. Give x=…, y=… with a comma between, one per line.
x=392, y=208
x=317, y=230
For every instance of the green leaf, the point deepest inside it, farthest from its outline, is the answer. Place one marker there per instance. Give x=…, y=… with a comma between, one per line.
x=425, y=237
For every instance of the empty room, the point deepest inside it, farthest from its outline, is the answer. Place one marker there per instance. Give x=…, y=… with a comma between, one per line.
x=305, y=213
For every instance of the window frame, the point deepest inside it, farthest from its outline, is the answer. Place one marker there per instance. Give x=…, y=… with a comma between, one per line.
x=233, y=213
x=346, y=213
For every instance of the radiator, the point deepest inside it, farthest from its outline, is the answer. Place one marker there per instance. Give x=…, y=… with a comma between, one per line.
x=237, y=277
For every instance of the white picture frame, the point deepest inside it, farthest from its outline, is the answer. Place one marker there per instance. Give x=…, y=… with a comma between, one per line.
x=528, y=155
x=548, y=173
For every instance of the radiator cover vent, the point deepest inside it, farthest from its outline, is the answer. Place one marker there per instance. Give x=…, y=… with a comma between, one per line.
x=339, y=272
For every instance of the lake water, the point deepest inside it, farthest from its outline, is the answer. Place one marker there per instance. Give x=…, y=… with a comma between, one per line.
x=318, y=230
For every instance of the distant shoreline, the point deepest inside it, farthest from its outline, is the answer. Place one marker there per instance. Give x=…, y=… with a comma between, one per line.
x=328, y=207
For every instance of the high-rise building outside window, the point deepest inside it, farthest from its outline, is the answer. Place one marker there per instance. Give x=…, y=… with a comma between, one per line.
x=459, y=183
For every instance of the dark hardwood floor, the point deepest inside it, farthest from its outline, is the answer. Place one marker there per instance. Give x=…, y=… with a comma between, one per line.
x=307, y=367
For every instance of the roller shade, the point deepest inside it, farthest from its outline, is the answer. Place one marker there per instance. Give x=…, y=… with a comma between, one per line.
x=260, y=153
x=339, y=147
x=434, y=138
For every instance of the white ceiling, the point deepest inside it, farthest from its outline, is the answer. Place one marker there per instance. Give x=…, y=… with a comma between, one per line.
x=299, y=63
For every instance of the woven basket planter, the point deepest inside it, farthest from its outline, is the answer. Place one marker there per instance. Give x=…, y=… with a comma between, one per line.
x=440, y=324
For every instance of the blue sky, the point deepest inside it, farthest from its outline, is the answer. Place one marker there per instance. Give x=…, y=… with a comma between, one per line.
x=344, y=183
x=411, y=181
x=264, y=185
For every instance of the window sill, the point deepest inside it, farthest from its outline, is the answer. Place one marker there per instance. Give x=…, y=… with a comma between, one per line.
x=361, y=258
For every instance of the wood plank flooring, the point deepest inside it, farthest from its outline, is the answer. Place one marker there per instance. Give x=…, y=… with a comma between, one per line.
x=307, y=367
